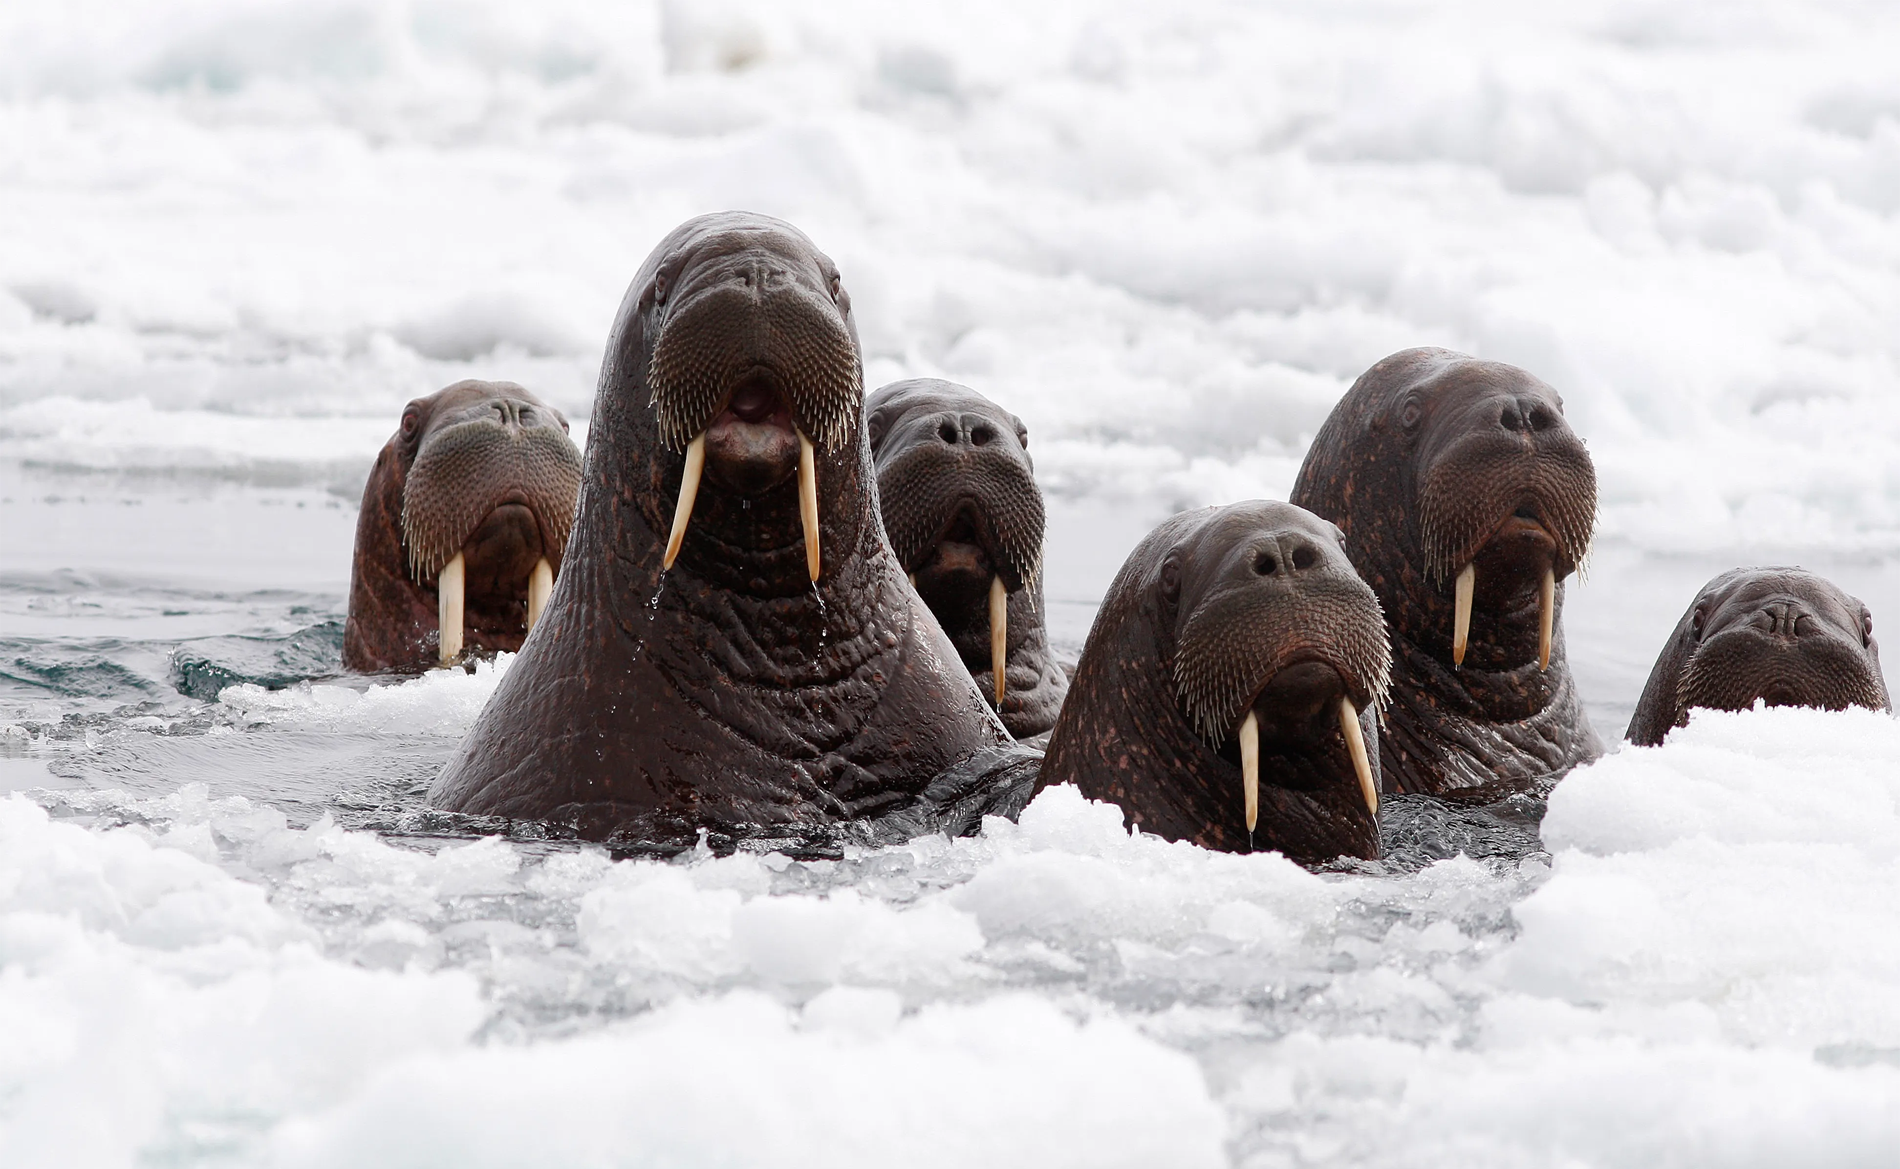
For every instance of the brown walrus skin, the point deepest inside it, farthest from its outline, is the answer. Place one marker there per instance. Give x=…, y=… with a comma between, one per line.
x=1432, y=461
x=481, y=468
x=1219, y=612
x=961, y=507
x=732, y=694
x=1781, y=635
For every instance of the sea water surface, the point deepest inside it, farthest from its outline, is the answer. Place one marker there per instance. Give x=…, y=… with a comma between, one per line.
x=238, y=236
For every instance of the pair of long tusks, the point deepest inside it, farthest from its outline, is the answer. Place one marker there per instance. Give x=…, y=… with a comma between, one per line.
x=1355, y=746
x=689, y=491
x=451, y=587
x=999, y=634
x=1467, y=583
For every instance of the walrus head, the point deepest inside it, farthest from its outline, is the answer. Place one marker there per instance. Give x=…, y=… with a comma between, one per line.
x=733, y=646
x=1228, y=689
x=465, y=518
x=754, y=360
x=1782, y=636
x=1466, y=500
x=965, y=518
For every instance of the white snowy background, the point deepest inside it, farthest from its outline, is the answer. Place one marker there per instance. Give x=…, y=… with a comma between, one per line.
x=236, y=237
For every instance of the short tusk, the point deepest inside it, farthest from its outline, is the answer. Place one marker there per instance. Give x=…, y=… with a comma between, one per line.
x=808, y=501
x=689, y=491
x=448, y=599
x=913, y=579
x=1250, y=767
x=540, y=587
x=1546, y=618
x=999, y=634
x=1356, y=747
x=1461, y=613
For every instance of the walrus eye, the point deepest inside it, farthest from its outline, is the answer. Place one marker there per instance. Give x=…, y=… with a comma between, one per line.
x=1409, y=413
x=659, y=288
x=1695, y=622
x=1866, y=627
x=1171, y=580
x=837, y=285
x=411, y=419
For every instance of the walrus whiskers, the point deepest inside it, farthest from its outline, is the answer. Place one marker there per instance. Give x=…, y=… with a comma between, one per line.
x=808, y=501
x=1250, y=768
x=448, y=594
x=540, y=587
x=1461, y=612
x=689, y=491
x=1546, y=617
x=999, y=634
x=1356, y=747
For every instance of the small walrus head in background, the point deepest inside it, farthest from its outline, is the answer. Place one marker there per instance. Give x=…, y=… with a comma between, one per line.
x=965, y=519
x=733, y=647
x=1782, y=636
x=1466, y=500
x=1229, y=687
x=464, y=521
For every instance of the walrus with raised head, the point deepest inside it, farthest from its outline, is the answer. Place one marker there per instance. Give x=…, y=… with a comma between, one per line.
x=1228, y=691
x=731, y=646
x=464, y=520
x=1466, y=501
x=965, y=518
x=1782, y=636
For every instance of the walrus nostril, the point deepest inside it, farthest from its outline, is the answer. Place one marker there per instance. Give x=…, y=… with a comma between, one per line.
x=948, y=432
x=1509, y=418
x=1304, y=557
x=981, y=435
x=1265, y=564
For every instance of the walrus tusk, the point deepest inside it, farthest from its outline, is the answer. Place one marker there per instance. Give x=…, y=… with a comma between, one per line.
x=913, y=579
x=999, y=634
x=448, y=599
x=540, y=585
x=689, y=491
x=1356, y=747
x=1250, y=767
x=1546, y=617
x=1461, y=613
x=808, y=501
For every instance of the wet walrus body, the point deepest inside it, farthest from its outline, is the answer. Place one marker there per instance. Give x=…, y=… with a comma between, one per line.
x=463, y=523
x=1231, y=633
x=782, y=678
x=965, y=518
x=1466, y=500
x=1783, y=636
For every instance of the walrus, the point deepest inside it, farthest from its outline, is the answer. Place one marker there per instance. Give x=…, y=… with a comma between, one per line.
x=464, y=520
x=731, y=646
x=1466, y=501
x=964, y=516
x=1782, y=636
x=1229, y=688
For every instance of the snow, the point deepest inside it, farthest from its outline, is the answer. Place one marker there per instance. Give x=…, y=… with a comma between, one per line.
x=237, y=235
